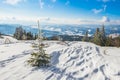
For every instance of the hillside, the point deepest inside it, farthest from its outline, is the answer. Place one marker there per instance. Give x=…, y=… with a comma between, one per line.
x=70, y=61
x=7, y=39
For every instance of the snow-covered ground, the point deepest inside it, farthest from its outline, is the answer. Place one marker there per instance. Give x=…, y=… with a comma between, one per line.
x=7, y=39
x=70, y=61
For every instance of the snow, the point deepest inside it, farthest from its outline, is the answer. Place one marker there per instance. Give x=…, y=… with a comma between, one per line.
x=70, y=61
x=114, y=35
x=7, y=39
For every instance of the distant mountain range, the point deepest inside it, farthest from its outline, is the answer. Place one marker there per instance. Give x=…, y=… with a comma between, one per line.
x=53, y=30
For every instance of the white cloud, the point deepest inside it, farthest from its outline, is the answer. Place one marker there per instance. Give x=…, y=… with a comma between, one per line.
x=96, y=11
x=13, y=2
x=104, y=7
x=67, y=3
x=115, y=22
x=67, y=21
x=105, y=19
x=47, y=19
x=8, y=19
x=41, y=3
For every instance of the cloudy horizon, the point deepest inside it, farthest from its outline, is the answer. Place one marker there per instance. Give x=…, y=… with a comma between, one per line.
x=60, y=11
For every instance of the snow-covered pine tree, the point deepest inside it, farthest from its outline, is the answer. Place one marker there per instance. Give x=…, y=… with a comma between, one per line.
x=39, y=58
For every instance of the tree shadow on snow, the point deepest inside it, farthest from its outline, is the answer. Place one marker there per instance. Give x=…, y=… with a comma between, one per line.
x=57, y=73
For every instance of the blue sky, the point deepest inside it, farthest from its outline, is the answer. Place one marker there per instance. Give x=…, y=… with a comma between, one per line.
x=60, y=11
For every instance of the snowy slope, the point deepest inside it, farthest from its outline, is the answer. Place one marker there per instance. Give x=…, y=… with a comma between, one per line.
x=70, y=61
x=7, y=39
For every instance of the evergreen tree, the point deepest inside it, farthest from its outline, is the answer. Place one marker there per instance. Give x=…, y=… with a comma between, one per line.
x=0, y=34
x=109, y=41
x=103, y=36
x=24, y=37
x=30, y=36
x=19, y=33
x=36, y=36
x=85, y=38
x=119, y=41
x=116, y=41
x=97, y=36
x=40, y=58
x=100, y=37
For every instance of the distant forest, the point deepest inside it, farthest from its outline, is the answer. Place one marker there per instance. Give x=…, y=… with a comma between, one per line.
x=101, y=39
x=98, y=38
x=21, y=34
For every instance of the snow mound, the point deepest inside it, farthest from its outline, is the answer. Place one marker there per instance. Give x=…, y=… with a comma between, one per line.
x=69, y=61
x=7, y=39
x=82, y=61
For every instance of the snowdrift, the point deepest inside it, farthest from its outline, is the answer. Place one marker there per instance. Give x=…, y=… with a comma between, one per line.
x=84, y=61
x=7, y=39
x=70, y=61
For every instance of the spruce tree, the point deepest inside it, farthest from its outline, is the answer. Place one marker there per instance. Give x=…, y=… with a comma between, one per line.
x=39, y=58
x=109, y=41
x=36, y=36
x=100, y=37
x=0, y=34
x=19, y=33
x=85, y=38
x=97, y=36
x=103, y=36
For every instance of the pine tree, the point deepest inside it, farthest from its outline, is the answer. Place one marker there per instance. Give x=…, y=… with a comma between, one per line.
x=19, y=33
x=34, y=37
x=40, y=58
x=103, y=36
x=109, y=41
x=100, y=37
x=0, y=34
x=96, y=38
x=85, y=38
x=116, y=41
x=24, y=37
x=119, y=41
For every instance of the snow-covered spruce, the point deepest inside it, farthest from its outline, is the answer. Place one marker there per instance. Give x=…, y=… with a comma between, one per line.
x=39, y=58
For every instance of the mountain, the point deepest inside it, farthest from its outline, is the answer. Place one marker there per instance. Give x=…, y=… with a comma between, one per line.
x=54, y=29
